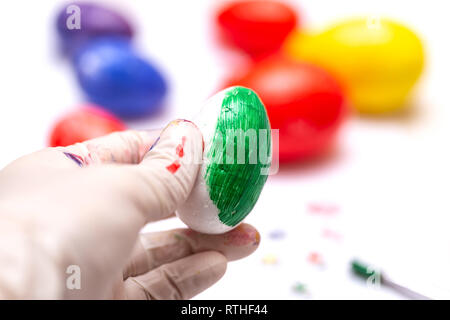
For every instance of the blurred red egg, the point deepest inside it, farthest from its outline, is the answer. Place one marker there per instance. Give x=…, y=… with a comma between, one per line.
x=256, y=27
x=86, y=123
x=303, y=101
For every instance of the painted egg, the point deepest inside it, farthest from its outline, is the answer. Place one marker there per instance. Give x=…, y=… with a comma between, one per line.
x=256, y=27
x=236, y=161
x=79, y=22
x=86, y=123
x=114, y=76
x=378, y=60
x=304, y=103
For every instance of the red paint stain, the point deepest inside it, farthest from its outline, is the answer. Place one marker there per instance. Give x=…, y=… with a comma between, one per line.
x=172, y=168
x=315, y=258
x=180, y=147
x=322, y=209
x=331, y=234
x=180, y=151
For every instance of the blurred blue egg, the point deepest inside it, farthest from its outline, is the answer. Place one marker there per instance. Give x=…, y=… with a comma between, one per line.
x=79, y=22
x=112, y=75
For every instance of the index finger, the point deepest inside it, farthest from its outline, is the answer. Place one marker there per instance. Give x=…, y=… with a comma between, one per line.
x=119, y=147
x=124, y=147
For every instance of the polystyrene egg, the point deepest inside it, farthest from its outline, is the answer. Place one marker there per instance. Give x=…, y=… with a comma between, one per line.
x=378, y=60
x=304, y=102
x=115, y=76
x=256, y=27
x=79, y=22
x=236, y=161
x=86, y=123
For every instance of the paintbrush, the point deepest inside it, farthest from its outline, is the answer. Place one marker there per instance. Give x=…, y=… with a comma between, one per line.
x=406, y=288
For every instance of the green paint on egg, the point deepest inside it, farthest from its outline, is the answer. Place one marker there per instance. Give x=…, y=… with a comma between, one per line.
x=234, y=176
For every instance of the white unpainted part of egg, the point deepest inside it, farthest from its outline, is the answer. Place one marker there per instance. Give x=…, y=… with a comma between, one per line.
x=199, y=212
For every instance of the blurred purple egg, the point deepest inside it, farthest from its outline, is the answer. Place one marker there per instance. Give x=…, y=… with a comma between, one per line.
x=79, y=22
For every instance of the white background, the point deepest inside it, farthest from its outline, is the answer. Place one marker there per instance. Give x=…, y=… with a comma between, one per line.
x=389, y=177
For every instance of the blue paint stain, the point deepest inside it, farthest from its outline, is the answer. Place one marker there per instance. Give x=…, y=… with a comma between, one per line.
x=277, y=234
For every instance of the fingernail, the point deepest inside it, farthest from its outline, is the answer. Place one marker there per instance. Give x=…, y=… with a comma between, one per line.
x=242, y=235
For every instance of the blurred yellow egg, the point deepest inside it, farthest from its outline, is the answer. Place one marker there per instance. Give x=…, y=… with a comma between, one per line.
x=377, y=60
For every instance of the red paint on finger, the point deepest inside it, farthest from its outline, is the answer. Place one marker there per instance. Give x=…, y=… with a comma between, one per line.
x=180, y=147
x=180, y=151
x=173, y=167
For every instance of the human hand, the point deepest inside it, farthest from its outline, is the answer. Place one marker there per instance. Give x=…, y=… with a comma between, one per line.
x=85, y=204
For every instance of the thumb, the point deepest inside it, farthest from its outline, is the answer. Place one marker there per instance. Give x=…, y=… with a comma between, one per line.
x=126, y=196
x=169, y=170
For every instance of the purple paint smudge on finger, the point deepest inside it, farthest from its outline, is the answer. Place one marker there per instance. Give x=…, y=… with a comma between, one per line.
x=77, y=159
x=154, y=144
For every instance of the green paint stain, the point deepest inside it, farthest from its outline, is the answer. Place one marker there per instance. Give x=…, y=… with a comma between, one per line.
x=300, y=288
x=178, y=237
x=233, y=175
